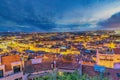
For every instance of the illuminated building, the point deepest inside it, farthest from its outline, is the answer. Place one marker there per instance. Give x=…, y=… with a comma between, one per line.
x=109, y=60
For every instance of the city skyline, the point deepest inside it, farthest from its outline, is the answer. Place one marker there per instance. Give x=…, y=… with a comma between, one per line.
x=59, y=15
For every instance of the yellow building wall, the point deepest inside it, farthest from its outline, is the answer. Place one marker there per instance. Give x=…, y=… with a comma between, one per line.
x=107, y=60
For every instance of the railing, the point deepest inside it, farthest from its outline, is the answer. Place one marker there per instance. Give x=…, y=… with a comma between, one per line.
x=10, y=75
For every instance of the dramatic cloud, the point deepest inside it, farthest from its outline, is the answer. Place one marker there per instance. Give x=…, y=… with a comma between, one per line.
x=112, y=23
x=57, y=15
x=25, y=15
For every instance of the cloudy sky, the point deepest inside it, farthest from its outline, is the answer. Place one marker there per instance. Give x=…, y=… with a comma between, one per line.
x=59, y=15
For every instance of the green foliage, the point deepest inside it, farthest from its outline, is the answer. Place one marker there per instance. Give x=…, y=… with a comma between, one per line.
x=69, y=76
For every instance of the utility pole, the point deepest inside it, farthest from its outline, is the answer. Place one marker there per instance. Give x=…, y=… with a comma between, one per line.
x=54, y=74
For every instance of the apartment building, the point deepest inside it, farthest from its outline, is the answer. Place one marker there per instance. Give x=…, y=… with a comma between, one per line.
x=11, y=68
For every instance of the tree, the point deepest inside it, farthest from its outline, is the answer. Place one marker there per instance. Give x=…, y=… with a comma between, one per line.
x=69, y=76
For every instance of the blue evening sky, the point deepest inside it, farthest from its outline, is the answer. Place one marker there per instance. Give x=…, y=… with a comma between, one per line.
x=59, y=15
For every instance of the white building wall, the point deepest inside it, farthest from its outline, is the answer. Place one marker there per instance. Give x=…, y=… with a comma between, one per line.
x=13, y=77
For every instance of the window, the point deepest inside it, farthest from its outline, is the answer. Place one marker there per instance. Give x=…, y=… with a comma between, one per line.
x=16, y=69
x=1, y=73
